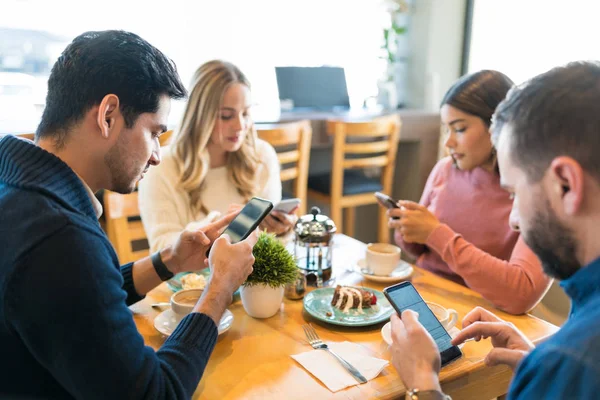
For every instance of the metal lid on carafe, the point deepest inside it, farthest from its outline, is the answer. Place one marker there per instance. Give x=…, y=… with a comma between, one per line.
x=314, y=227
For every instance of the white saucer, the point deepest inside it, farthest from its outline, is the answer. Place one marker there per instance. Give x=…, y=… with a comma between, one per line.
x=386, y=333
x=167, y=321
x=402, y=272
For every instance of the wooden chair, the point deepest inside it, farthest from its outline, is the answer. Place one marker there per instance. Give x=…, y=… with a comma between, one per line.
x=356, y=146
x=293, y=141
x=30, y=136
x=122, y=225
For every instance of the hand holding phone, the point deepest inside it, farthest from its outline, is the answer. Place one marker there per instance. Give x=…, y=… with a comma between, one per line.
x=404, y=296
x=287, y=206
x=248, y=219
x=386, y=201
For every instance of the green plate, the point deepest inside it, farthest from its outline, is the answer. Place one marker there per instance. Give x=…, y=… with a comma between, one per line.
x=318, y=304
x=175, y=282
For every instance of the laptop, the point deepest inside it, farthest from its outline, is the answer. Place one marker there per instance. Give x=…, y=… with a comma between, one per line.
x=312, y=88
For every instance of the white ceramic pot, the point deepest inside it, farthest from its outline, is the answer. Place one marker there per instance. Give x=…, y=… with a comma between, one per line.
x=261, y=301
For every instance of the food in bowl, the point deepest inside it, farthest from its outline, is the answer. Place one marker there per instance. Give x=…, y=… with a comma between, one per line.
x=346, y=298
x=193, y=281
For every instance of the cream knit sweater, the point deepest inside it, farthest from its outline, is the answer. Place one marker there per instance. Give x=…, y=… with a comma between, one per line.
x=165, y=207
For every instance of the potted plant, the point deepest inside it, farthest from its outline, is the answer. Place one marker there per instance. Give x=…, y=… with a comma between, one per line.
x=274, y=267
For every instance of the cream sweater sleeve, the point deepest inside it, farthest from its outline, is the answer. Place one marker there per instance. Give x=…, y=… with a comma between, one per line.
x=164, y=207
x=271, y=189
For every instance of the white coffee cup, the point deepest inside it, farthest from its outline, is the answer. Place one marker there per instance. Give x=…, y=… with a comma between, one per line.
x=184, y=301
x=382, y=258
x=447, y=316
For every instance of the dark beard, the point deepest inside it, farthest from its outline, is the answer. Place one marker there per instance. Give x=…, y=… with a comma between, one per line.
x=117, y=161
x=553, y=243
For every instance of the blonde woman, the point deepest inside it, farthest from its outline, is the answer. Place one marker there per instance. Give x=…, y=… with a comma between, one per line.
x=215, y=164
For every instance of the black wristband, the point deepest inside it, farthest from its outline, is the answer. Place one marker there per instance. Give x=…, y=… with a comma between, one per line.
x=160, y=267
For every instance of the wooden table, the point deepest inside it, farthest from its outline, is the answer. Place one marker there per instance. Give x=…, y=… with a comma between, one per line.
x=252, y=360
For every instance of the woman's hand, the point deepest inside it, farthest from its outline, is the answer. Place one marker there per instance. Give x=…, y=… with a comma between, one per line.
x=413, y=220
x=278, y=222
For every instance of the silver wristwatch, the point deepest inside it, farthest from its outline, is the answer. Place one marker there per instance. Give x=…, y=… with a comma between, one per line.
x=416, y=394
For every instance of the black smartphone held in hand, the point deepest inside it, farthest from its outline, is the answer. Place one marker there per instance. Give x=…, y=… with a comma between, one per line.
x=386, y=201
x=404, y=296
x=247, y=220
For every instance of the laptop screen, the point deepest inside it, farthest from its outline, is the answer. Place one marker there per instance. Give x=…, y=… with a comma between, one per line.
x=322, y=88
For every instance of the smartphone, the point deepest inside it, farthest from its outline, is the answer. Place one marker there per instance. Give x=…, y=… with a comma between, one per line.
x=287, y=206
x=404, y=296
x=247, y=220
x=386, y=201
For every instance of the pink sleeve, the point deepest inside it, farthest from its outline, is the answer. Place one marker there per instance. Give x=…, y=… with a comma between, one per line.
x=514, y=286
x=416, y=249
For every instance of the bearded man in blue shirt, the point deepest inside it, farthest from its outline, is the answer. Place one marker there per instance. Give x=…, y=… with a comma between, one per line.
x=547, y=134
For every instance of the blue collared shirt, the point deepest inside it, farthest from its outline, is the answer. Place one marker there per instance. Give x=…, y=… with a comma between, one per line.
x=567, y=366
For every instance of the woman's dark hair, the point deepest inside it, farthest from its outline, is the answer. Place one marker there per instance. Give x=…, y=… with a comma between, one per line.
x=479, y=93
x=108, y=62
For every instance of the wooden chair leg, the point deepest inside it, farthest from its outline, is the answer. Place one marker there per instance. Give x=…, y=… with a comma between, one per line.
x=349, y=220
x=383, y=232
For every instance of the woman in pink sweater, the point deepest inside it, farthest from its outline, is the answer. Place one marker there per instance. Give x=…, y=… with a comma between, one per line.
x=460, y=229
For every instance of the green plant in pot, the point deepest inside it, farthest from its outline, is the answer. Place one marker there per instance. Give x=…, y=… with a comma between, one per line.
x=274, y=267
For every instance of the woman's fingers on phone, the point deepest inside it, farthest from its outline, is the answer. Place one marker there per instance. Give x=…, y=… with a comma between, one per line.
x=409, y=205
x=278, y=215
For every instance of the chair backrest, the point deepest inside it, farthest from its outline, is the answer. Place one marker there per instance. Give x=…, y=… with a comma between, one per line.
x=165, y=138
x=30, y=136
x=292, y=143
x=364, y=145
x=123, y=226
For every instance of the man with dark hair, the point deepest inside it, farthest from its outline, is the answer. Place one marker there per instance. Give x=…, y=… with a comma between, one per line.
x=547, y=133
x=65, y=329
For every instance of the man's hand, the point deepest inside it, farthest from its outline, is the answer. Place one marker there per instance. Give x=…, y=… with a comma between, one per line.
x=189, y=251
x=414, y=221
x=230, y=265
x=510, y=345
x=278, y=222
x=415, y=355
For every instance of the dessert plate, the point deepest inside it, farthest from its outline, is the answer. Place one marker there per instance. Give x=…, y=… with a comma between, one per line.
x=318, y=304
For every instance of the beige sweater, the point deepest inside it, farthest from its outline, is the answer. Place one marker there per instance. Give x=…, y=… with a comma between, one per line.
x=165, y=207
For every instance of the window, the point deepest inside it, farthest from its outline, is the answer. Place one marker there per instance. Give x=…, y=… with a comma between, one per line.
x=255, y=35
x=525, y=38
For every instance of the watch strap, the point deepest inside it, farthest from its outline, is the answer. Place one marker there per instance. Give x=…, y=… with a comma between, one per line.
x=160, y=267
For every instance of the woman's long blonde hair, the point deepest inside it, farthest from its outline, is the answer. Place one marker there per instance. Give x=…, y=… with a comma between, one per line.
x=209, y=85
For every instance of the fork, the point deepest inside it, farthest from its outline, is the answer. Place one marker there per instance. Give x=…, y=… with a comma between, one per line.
x=318, y=344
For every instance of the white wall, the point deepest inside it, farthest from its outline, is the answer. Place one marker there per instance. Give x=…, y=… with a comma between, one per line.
x=436, y=41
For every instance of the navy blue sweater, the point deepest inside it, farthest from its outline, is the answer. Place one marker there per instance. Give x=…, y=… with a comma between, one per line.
x=65, y=328
x=567, y=366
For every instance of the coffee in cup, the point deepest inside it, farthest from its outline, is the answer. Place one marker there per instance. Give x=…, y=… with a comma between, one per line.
x=447, y=316
x=382, y=258
x=184, y=301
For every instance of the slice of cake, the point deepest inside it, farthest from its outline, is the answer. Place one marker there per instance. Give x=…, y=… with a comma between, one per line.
x=346, y=298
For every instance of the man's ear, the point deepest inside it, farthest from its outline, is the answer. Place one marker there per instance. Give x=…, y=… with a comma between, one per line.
x=108, y=111
x=567, y=181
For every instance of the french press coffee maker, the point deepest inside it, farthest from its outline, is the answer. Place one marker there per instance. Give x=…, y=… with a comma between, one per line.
x=313, y=246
